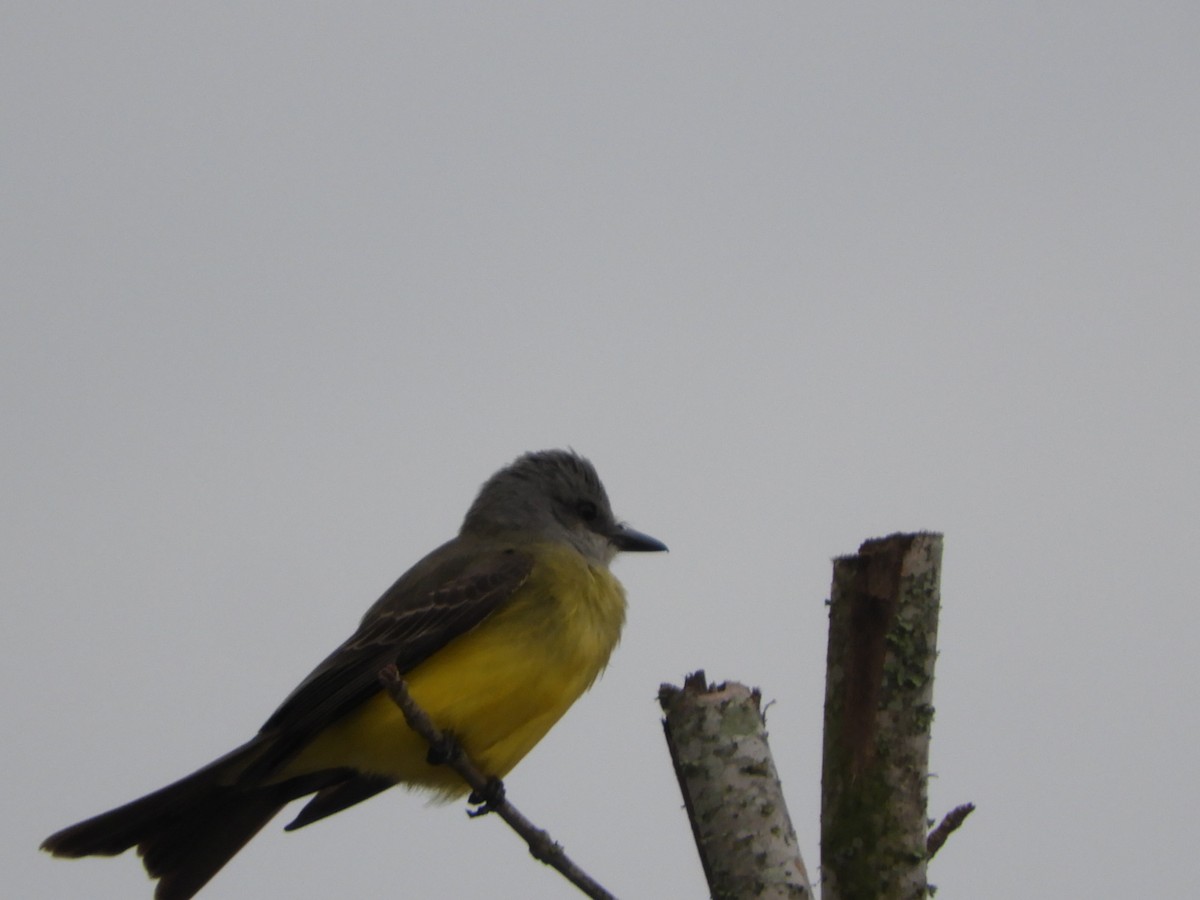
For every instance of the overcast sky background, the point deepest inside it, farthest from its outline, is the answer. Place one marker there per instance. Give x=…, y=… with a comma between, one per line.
x=284, y=283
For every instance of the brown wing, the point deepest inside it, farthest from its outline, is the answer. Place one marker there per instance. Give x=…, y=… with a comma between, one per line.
x=446, y=594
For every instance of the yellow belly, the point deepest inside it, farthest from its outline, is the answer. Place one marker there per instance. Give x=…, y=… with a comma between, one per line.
x=499, y=688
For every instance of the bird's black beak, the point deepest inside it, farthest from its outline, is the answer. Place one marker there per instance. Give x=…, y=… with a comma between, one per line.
x=632, y=541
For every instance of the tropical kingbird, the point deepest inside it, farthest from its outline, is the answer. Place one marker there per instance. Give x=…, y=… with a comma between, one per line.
x=496, y=632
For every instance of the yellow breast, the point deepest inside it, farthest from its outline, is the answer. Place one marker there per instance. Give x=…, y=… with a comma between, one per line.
x=499, y=687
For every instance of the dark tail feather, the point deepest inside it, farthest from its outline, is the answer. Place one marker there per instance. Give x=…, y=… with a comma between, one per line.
x=119, y=829
x=188, y=830
x=189, y=851
x=186, y=854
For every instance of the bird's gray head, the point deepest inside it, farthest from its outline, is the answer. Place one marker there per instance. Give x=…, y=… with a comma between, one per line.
x=553, y=495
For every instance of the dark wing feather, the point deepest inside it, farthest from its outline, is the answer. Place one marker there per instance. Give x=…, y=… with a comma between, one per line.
x=336, y=797
x=445, y=595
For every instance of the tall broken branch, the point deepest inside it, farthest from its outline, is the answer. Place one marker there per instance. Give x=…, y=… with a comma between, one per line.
x=883, y=618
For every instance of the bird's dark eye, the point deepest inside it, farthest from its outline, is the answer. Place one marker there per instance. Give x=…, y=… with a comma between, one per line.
x=587, y=510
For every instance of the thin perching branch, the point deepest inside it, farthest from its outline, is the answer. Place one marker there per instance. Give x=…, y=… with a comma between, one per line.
x=541, y=845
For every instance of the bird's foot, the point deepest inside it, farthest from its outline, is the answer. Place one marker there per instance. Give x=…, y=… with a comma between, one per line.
x=488, y=799
x=445, y=750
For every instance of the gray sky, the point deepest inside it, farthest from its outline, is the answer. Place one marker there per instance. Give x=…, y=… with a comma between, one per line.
x=284, y=283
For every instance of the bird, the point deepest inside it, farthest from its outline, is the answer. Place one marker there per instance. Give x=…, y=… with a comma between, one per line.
x=497, y=633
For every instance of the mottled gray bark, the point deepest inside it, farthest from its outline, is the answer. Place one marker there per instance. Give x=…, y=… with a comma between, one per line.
x=718, y=743
x=883, y=620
